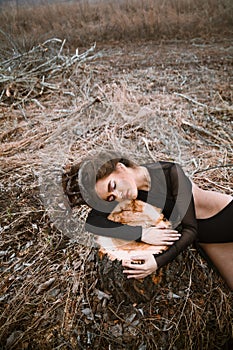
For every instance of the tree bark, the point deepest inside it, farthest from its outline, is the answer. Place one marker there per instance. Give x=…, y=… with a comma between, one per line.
x=112, y=251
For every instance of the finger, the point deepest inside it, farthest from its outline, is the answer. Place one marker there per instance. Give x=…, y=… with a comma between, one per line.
x=172, y=238
x=126, y=262
x=134, y=266
x=133, y=272
x=131, y=265
x=138, y=257
x=134, y=261
x=165, y=239
x=137, y=277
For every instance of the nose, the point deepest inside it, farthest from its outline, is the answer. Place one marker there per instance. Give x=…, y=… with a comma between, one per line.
x=117, y=194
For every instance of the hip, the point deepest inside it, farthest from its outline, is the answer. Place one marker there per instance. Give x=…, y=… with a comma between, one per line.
x=218, y=228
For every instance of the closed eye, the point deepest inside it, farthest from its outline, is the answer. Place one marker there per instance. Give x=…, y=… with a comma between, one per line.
x=111, y=198
x=111, y=186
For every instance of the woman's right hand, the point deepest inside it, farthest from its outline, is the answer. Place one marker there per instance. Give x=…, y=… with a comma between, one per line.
x=158, y=236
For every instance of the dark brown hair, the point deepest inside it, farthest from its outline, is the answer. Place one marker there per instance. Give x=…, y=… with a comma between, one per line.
x=105, y=169
x=79, y=182
x=71, y=186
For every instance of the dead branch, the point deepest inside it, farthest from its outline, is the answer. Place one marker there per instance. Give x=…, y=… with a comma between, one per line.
x=26, y=76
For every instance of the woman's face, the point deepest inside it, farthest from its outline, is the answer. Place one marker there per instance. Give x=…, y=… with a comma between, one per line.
x=119, y=185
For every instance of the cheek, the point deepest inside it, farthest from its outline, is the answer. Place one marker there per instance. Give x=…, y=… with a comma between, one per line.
x=135, y=193
x=133, y=189
x=133, y=186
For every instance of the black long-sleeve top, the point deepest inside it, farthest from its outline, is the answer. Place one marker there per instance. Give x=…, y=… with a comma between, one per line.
x=171, y=190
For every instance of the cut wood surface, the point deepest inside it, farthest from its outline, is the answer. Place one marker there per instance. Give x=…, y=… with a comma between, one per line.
x=133, y=213
x=112, y=251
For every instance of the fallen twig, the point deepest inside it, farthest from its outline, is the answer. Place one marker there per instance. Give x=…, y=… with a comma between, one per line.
x=29, y=75
x=190, y=99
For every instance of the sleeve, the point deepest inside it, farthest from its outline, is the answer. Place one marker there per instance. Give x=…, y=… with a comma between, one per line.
x=181, y=188
x=98, y=223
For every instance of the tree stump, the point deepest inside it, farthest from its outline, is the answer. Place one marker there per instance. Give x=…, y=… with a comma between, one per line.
x=112, y=251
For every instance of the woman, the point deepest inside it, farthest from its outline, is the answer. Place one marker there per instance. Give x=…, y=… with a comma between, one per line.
x=203, y=216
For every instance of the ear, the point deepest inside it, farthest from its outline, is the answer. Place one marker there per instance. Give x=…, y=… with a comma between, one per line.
x=120, y=166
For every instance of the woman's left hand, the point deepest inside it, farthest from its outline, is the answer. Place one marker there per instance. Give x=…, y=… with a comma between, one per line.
x=140, y=271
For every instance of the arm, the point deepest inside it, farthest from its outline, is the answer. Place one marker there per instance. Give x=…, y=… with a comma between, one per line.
x=181, y=189
x=98, y=223
x=184, y=203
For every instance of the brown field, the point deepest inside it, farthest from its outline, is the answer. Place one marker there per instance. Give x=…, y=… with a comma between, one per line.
x=83, y=22
x=159, y=85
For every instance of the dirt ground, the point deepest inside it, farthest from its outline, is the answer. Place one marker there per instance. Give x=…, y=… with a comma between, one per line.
x=166, y=100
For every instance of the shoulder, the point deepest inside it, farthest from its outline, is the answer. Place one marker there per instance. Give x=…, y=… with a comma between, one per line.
x=171, y=171
x=161, y=173
x=161, y=165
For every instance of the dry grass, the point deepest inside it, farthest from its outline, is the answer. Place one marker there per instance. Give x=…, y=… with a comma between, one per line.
x=51, y=296
x=158, y=101
x=83, y=22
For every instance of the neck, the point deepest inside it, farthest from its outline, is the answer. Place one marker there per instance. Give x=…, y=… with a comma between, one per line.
x=142, y=178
